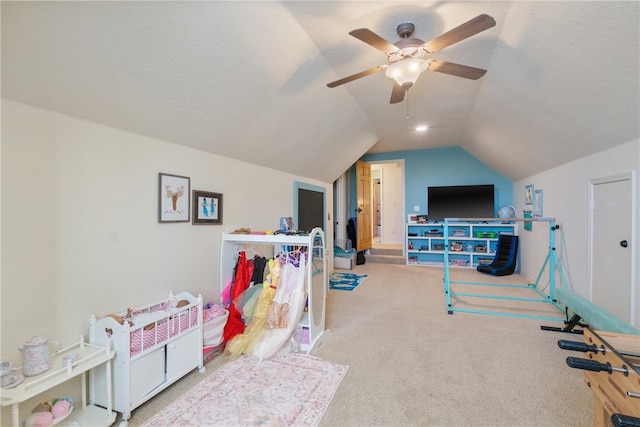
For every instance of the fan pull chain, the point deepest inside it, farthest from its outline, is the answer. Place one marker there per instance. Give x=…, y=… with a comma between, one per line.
x=408, y=117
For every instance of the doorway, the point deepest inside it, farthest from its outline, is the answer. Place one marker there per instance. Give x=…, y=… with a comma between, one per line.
x=612, y=247
x=377, y=221
x=388, y=203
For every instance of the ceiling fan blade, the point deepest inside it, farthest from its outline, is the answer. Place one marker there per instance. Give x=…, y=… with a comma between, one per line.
x=456, y=69
x=371, y=38
x=357, y=76
x=397, y=93
x=466, y=30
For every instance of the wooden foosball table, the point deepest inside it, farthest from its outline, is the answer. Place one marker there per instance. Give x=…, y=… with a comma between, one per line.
x=612, y=372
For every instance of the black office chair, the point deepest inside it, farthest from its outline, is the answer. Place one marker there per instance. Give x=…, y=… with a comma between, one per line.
x=504, y=263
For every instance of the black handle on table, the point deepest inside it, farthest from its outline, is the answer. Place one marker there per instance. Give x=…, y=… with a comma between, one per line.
x=578, y=346
x=573, y=345
x=620, y=420
x=588, y=364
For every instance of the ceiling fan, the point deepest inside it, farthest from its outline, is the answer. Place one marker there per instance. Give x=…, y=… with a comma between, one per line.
x=407, y=56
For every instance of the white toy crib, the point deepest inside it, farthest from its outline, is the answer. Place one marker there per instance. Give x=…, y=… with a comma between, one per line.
x=156, y=344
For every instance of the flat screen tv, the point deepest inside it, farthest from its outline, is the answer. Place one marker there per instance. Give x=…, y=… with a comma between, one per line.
x=460, y=201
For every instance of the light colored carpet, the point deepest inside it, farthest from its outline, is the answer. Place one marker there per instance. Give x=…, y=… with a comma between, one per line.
x=412, y=364
x=289, y=390
x=345, y=281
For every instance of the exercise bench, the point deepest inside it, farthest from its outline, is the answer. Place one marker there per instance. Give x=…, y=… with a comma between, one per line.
x=594, y=316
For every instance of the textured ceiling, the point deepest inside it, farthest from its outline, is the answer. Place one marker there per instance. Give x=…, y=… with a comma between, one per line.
x=247, y=80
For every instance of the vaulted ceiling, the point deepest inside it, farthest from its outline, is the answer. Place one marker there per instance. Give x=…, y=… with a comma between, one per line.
x=247, y=80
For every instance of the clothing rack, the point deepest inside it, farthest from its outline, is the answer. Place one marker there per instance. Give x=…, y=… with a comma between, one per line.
x=316, y=285
x=542, y=297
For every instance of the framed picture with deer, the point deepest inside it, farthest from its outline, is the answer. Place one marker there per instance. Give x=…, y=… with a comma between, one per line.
x=207, y=207
x=173, y=198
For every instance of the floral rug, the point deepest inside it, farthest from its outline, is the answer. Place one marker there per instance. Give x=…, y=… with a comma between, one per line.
x=345, y=281
x=294, y=389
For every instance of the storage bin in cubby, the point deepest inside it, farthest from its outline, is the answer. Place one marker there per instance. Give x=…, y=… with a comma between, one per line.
x=480, y=248
x=485, y=234
x=459, y=232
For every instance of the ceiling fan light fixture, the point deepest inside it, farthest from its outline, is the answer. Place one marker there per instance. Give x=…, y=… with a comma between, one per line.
x=406, y=71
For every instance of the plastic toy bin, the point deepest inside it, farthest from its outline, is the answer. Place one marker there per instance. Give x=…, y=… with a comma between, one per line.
x=212, y=330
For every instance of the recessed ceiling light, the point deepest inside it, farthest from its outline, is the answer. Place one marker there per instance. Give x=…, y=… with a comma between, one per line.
x=422, y=128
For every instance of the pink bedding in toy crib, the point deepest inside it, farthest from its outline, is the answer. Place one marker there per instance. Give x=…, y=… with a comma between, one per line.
x=162, y=330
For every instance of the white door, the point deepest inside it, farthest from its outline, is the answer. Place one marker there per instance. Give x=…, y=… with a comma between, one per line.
x=611, y=246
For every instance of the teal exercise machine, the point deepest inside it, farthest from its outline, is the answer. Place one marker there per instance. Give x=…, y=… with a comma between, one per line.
x=540, y=295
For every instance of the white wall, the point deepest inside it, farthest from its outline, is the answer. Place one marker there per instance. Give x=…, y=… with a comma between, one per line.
x=80, y=234
x=566, y=198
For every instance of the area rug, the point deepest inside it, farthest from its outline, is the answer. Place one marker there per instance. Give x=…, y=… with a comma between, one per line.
x=290, y=390
x=345, y=281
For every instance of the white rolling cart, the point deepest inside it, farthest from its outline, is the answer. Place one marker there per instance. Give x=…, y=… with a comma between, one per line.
x=89, y=356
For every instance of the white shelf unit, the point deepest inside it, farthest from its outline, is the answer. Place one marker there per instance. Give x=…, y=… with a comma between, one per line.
x=470, y=242
x=89, y=356
x=313, y=318
x=150, y=355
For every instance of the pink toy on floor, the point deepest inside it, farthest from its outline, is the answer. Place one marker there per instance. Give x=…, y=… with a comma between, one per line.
x=39, y=419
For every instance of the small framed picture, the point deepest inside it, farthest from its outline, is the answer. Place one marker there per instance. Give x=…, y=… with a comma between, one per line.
x=537, y=211
x=412, y=219
x=207, y=207
x=173, y=198
x=286, y=223
x=529, y=194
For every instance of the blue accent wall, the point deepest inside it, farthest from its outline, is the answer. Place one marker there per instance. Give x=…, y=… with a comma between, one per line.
x=441, y=166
